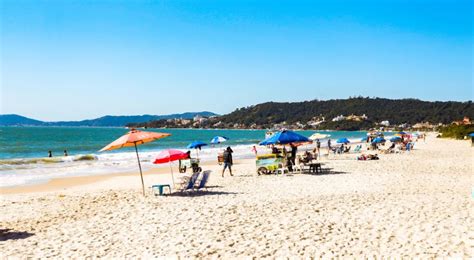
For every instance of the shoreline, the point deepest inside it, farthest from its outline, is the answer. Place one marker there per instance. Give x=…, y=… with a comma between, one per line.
x=66, y=183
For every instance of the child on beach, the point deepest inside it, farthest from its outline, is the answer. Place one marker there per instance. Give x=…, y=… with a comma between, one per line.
x=254, y=149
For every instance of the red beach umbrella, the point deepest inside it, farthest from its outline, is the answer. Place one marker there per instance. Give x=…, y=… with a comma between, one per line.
x=134, y=138
x=168, y=156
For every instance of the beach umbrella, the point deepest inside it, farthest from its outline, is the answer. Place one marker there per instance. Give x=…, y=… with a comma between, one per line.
x=218, y=139
x=318, y=136
x=343, y=141
x=135, y=138
x=395, y=139
x=196, y=145
x=378, y=140
x=471, y=134
x=168, y=156
x=285, y=137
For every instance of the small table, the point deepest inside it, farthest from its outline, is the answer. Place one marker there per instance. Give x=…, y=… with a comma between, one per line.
x=315, y=167
x=161, y=188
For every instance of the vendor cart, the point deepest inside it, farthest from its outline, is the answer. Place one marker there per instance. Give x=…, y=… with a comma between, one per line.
x=268, y=163
x=193, y=164
x=220, y=158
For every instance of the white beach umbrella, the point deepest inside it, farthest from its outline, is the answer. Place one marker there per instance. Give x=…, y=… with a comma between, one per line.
x=318, y=136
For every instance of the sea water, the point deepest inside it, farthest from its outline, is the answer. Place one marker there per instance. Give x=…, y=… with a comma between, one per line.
x=24, y=150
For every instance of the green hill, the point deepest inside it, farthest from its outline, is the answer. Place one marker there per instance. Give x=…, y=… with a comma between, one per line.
x=400, y=111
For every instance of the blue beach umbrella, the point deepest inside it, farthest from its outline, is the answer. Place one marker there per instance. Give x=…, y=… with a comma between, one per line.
x=285, y=137
x=395, y=139
x=378, y=140
x=219, y=139
x=343, y=141
x=471, y=134
x=196, y=145
x=402, y=133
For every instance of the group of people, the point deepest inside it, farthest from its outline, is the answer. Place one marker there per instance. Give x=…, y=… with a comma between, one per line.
x=50, y=153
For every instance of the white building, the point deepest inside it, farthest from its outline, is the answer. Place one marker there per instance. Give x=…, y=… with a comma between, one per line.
x=339, y=118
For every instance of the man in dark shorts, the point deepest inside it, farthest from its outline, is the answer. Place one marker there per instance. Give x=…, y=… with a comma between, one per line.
x=228, y=161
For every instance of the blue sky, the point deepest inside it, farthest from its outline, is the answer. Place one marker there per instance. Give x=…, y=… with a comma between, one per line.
x=68, y=60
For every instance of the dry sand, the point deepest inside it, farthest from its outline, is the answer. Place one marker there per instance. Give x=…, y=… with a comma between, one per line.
x=415, y=204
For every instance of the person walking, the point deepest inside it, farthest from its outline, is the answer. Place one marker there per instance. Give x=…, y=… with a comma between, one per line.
x=228, y=160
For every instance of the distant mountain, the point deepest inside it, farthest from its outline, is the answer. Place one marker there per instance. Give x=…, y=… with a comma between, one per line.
x=12, y=120
x=17, y=120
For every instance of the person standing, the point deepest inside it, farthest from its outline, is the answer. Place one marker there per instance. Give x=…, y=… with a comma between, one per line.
x=329, y=146
x=65, y=153
x=318, y=147
x=50, y=154
x=228, y=160
x=294, y=149
x=254, y=149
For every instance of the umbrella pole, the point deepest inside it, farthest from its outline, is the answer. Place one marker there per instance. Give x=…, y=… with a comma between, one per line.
x=140, y=167
x=172, y=175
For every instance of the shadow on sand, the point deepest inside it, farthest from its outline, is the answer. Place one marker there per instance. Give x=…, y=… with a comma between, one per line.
x=200, y=193
x=325, y=171
x=9, y=234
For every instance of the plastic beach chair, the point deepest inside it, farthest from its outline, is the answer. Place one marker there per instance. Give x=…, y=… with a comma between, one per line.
x=357, y=149
x=204, y=179
x=189, y=184
x=282, y=169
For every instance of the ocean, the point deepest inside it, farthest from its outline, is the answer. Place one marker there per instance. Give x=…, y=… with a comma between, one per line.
x=24, y=150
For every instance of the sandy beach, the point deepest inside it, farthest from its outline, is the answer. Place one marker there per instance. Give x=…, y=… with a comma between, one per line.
x=415, y=204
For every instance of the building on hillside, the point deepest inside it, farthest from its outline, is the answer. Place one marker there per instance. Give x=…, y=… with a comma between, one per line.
x=464, y=121
x=315, y=121
x=299, y=125
x=197, y=118
x=356, y=118
x=423, y=125
x=184, y=121
x=385, y=123
x=339, y=118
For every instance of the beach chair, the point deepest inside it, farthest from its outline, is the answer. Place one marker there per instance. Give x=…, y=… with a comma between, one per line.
x=204, y=179
x=189, y=183
x=299, y=166
x=357, y=149
x=282, y=169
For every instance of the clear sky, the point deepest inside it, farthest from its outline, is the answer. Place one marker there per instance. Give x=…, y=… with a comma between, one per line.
x=68, y=60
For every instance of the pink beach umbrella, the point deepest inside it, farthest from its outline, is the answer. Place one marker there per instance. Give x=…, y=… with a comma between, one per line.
x=168, y=156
